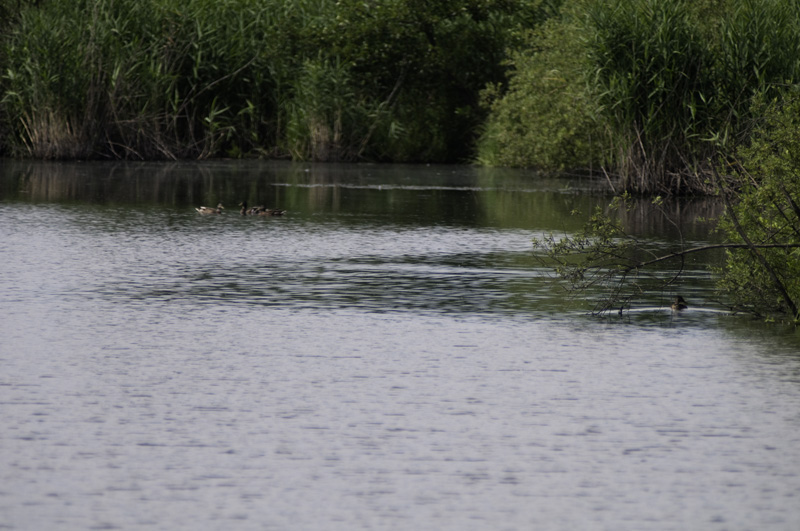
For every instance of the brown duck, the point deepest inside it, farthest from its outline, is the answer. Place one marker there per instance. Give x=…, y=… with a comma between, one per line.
x=679, y=304
x=259, y=210
x=208, y=210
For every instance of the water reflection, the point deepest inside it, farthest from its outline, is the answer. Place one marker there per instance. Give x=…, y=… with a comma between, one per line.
x=405, y=194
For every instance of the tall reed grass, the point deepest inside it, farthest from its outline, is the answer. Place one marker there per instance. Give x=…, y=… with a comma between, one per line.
x=137, y=79
x=654, y=91
x=677, y=90
x=310, y=79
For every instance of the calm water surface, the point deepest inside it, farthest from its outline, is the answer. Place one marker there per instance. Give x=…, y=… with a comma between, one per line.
x=388, y=355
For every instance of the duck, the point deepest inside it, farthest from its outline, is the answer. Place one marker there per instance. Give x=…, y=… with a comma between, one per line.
x=269, y=211
x=679, y=304
x=259, y=210
x=208, y=210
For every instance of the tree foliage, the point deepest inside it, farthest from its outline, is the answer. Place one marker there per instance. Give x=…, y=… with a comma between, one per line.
x=546, y=118
x=764, y=216
x=610, y=265
x=760, y=226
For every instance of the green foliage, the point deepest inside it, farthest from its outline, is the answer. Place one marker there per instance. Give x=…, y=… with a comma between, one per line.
x=759, y=52
x=651, y=65
x=670, y=81
x=651, y=89
x=325, y=118
x=391, y=79
x=603, y=262
x=678, y=79
x=764, y=278
x=654, y=81
x=546, y=119
x=761, y=226
x=427, y=62
x=131, y=79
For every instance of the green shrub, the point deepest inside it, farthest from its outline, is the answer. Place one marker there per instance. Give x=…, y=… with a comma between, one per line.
x=765, y=214
x=671, y=82
x=546, y=118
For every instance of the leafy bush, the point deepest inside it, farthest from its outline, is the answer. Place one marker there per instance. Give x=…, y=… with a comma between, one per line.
x=671, y=82
x=546, y=118
x=764, y=277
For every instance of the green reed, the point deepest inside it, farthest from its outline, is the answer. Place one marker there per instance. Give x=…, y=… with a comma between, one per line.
x=309, y=79
x=651, y=90
x=654, y=80
x=679, y=91
x=121, y=78
x=160, y=78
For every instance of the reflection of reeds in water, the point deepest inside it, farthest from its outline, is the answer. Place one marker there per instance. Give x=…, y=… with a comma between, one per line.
x=465, y=195
x=112, y=182
x=324, y=193
x=675, y=218
x=178, y=183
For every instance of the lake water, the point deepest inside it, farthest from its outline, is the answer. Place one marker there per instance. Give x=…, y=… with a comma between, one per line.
x=387, y=355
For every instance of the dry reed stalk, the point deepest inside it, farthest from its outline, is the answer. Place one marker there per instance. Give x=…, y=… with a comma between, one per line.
x=48, y=135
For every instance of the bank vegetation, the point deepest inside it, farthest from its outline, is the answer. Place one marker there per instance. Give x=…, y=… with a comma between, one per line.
x=650, y=92
x=389, y=80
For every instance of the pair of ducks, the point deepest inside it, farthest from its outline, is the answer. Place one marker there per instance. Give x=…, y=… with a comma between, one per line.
x=255, y=211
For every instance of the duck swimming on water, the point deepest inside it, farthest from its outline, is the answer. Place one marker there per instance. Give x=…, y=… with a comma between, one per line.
x=208, y=210
x=259, y=210
x=269, y=211
x=679, y=304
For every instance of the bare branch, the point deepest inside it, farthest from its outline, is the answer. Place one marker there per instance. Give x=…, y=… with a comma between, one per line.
x=703, y=248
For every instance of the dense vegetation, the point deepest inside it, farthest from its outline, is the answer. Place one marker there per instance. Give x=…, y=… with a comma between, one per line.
x=762, y=272
x=661, y=96
x=310, y=79
x=654, y=90
x=760, y=225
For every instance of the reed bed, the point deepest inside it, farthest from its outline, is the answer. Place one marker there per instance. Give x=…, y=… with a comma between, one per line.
x=678, y=85
x=654, y=92
x=169, y=79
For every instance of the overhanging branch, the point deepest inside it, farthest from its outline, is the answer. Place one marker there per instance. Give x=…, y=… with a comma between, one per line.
x=712, y=247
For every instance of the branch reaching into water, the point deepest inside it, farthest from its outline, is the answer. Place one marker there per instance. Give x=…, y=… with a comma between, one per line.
x=603, y=259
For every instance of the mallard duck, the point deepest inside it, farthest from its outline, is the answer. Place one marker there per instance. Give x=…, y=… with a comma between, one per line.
x=270, y=212
x=259, y=210
x=679, y=304
x=208, y=210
